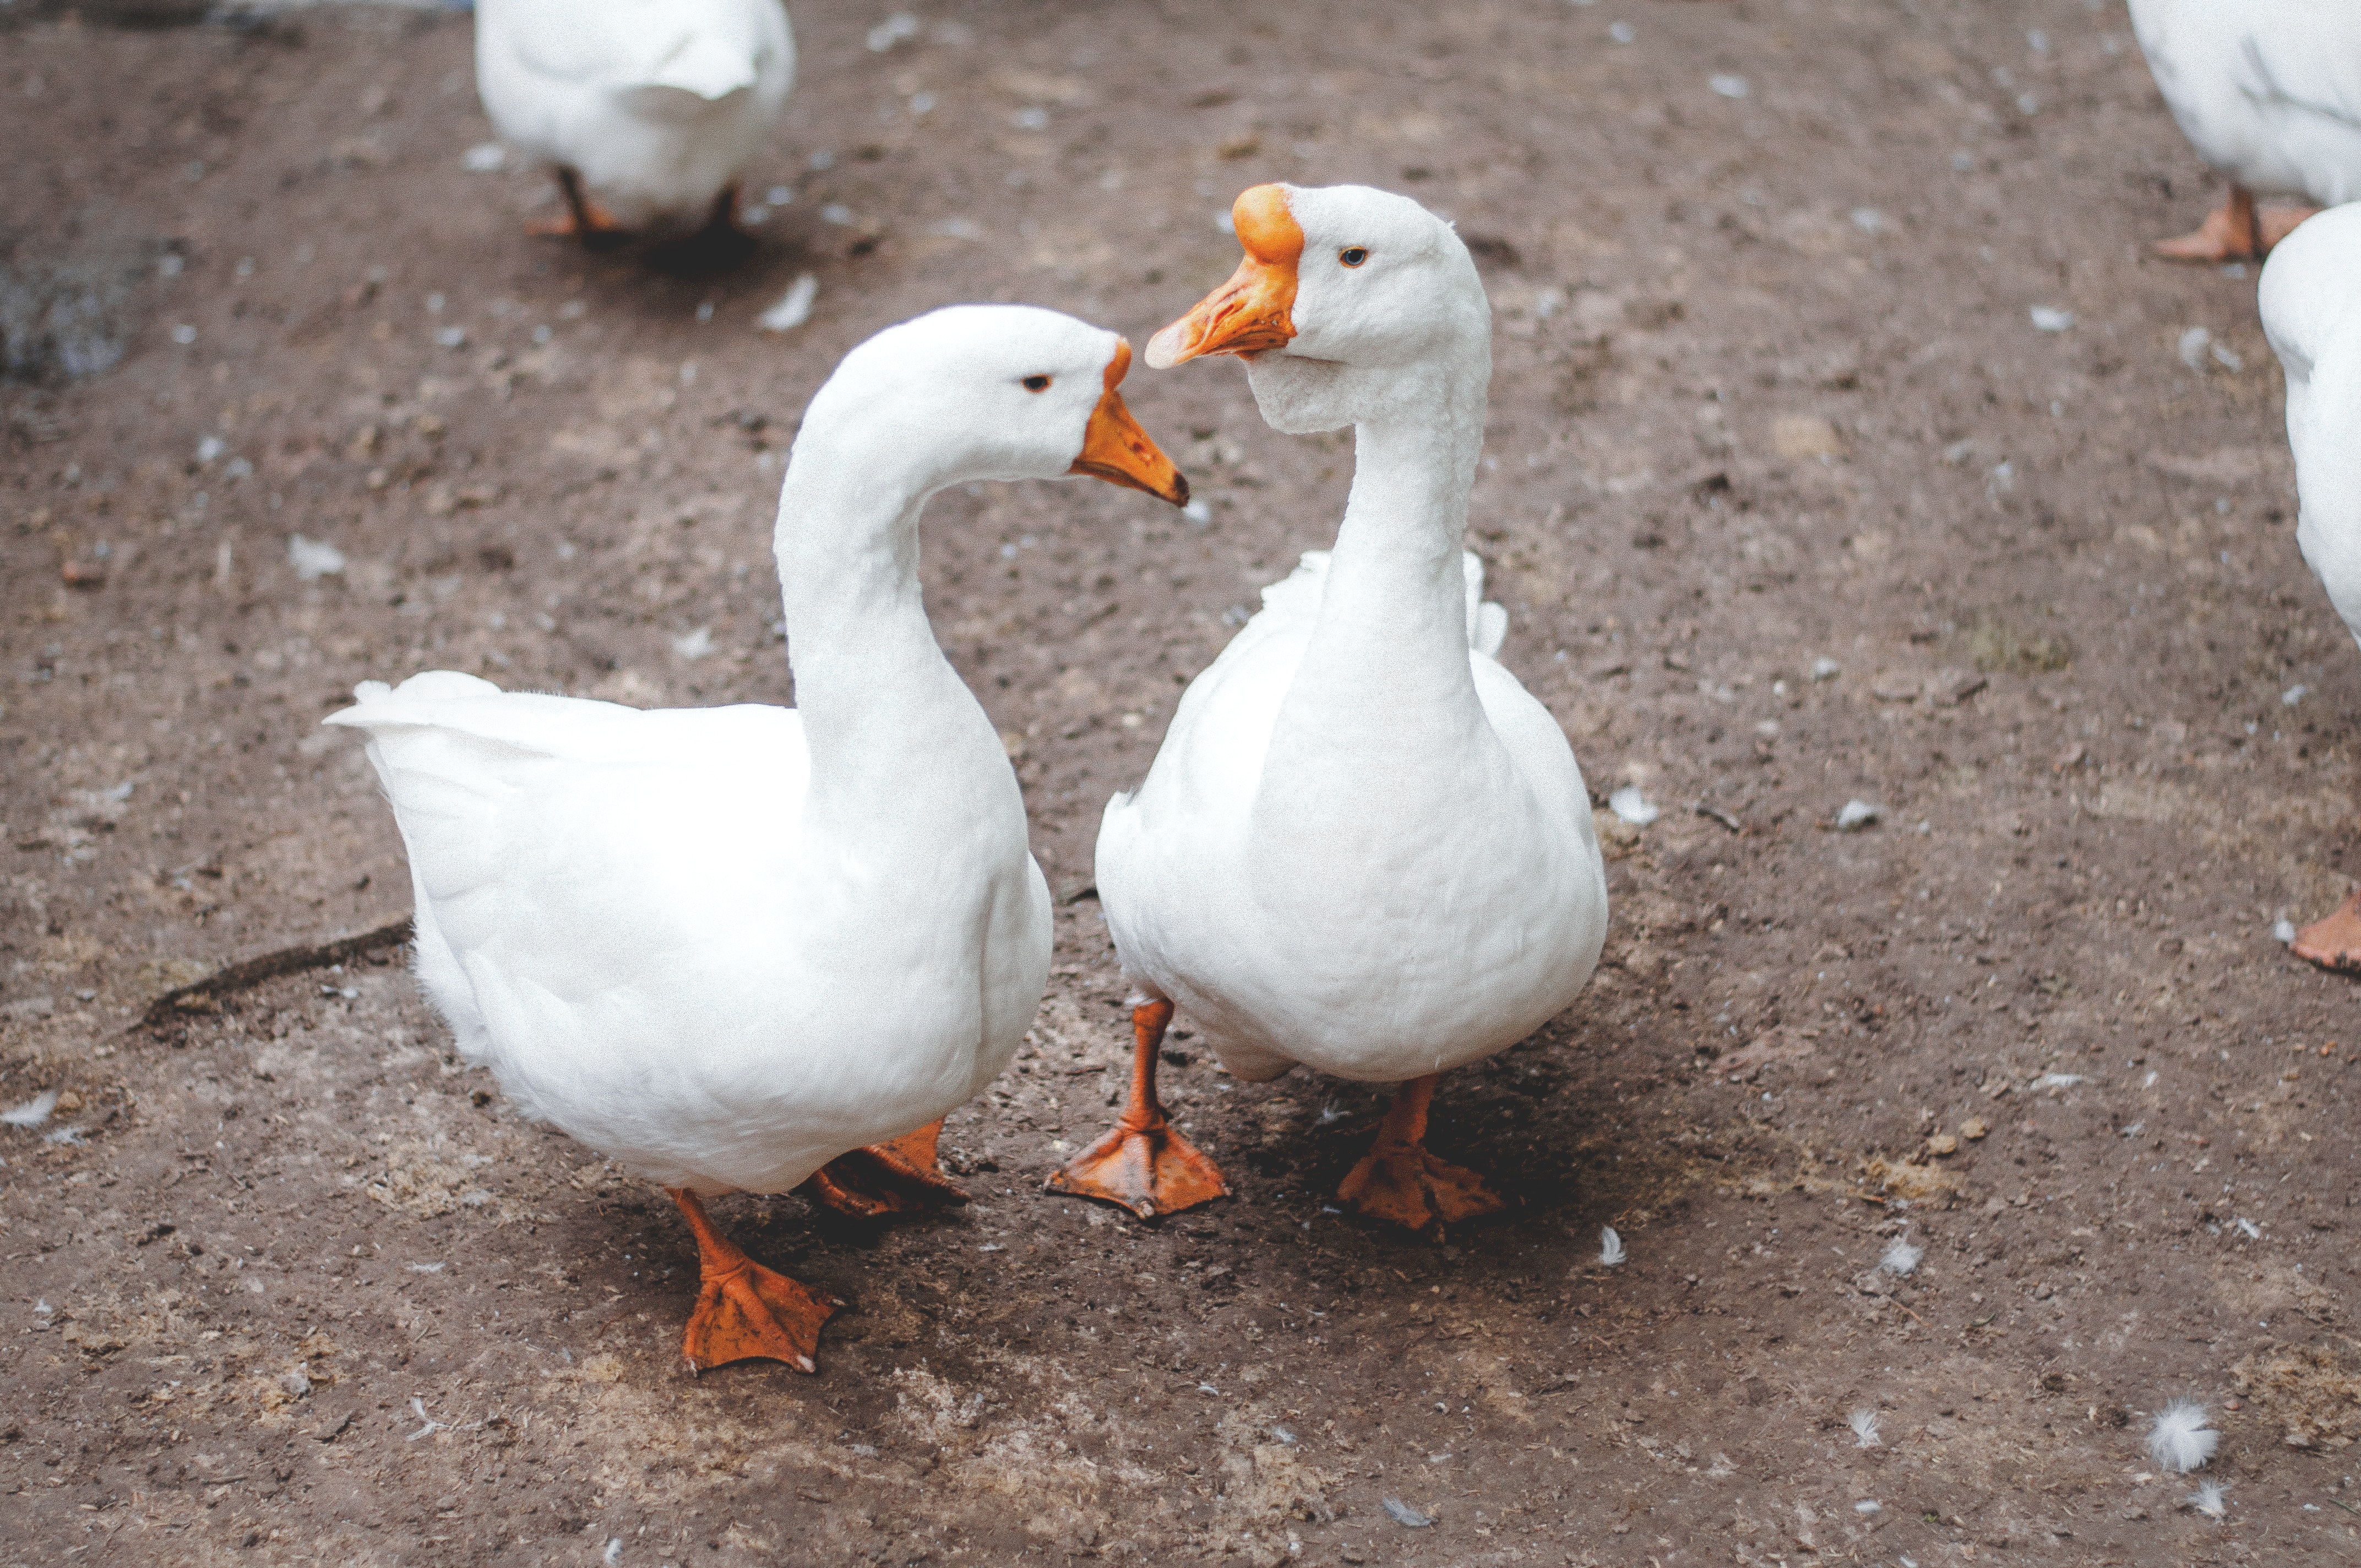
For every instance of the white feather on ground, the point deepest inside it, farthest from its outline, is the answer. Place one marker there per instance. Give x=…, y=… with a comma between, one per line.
x=2207, y=1499
x=1863, y=1422
x=795, y=307
x=33, y=1112
x=1901, y=1257
x=2181, y=1440
x=1610, y=1247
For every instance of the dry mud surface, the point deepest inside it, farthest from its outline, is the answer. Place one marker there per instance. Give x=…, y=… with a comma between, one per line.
x=301, y=1288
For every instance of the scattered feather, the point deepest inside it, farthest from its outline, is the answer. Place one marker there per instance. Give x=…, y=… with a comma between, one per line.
x=2134, y=1129
x=794, y=306
x=2059, y=1080
x=71, y=1136
x=1826, y=669
x=1730, y=86
x=43, y=1307
x=1869, y=1506
x=1633, y=807
x=426, y=1268
x=433, y=1426
x=2192, y=347
x=2207, y=1499
x=1283, y=1435
x=1901, y=1257
x=614, y=1552
x=2181, y=1440
x=2293, y=694
x=1402, y=1514
x=297, y=1383
x=694, y=645
x=1610, y=1247
x=2283, y=931
x=2049, y=318
x=313, y=558
x=484, y=157
x=33, y=1112
x=2254, y=1231
x=1858, y=814
x=1863, y=1422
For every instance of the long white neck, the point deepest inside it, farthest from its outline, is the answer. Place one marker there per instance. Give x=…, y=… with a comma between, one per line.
x=890, y=725
x=1390, y=645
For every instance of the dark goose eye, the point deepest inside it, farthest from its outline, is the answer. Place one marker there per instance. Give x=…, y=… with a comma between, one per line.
x=1036, y=383
x=1352, y=255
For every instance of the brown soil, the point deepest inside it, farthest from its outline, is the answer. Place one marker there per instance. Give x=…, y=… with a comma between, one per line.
x=302, y=1287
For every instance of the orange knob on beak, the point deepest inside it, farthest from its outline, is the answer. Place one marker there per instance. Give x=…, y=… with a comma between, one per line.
x=1250, y=313
x=1116, y=449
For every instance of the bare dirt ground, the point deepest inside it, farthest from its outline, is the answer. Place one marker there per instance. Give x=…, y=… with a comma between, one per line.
x=1791, y=503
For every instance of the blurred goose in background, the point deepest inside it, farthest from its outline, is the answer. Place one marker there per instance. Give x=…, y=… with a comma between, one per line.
x=726, y=947
x=1363, y=848
x=2269, y=92
x=649, y=109
x=2311, y=299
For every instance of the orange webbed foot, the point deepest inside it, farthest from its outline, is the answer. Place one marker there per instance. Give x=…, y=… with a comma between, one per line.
x=2275, y=222
x=1150, y=1170
x=743, y=1310
x=2334, y=943
x=1402, y=1180
x=1143, y=1164
x=584, y=219
x=899, y=1177
x=2230, y=233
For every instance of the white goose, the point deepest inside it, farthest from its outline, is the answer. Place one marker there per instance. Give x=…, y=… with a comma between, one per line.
x=2269, y=92
x=649, y=109
x=2311, y=299
x=726, y=946
x=1363, y=846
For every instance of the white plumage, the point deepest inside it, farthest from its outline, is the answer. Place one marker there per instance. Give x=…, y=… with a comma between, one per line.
x=1901, y=1258
x=657, y=105
x=2180, y=1441
x=1610, y=1247
x=2268, y=91
x=2310, y=302
x=1863, y=1423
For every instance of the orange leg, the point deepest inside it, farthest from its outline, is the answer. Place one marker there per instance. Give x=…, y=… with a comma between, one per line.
x=1144, y=1163
x=896, y=1177
x=2334, y=943
x=1398, y=1179
x=585, y=220
x=2230, y=233
x=744, y=1311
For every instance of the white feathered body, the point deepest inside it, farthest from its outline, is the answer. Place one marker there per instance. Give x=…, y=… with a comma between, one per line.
x=2268, y=91
x=2311, y=299
x=1413, y=891
x=622, y=913
x=657, y=105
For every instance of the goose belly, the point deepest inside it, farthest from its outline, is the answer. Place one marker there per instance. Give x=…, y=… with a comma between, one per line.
x=1407, y=930
x=744, y=1053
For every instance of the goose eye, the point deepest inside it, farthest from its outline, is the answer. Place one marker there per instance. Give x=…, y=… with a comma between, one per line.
x=1036, y=383
x=1352, y=255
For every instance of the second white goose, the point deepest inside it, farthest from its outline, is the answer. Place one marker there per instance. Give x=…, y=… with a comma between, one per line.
x=1364, y=848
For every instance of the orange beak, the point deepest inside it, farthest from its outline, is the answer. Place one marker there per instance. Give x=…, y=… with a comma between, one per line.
x=1250, y=313
x=1116, y=449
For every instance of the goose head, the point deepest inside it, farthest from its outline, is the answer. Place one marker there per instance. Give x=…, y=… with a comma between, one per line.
x=983, y=393
x=1351, y=302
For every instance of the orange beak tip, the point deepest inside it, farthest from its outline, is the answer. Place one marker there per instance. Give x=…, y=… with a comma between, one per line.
x=1166, y=349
